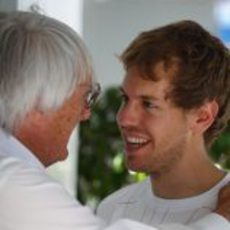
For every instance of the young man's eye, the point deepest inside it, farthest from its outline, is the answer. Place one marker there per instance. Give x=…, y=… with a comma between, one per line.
x=149, y=104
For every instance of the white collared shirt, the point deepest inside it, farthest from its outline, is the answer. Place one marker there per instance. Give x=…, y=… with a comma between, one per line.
x=30, y=199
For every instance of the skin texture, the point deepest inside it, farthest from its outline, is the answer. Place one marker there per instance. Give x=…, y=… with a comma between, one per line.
x=164, y=140
x=47, y=134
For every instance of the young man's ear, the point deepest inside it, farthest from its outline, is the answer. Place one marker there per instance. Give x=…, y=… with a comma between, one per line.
x=204, y=116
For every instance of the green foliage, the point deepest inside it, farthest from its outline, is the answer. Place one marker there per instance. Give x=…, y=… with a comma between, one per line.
x=101, y=165
x=220, y=151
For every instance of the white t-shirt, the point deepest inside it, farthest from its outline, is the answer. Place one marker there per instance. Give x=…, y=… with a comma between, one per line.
x=31, y=200
x=137, y=202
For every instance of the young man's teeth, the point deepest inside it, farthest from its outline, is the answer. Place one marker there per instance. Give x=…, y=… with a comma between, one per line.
x=134, y=140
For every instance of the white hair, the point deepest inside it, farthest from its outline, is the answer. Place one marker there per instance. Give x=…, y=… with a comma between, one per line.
x=41, y=62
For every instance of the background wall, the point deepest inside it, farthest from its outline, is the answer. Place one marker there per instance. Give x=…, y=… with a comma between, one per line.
x=109, y=26
x=8, y=5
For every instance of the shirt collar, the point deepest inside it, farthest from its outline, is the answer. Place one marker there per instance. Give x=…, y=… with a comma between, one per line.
x=10, y=146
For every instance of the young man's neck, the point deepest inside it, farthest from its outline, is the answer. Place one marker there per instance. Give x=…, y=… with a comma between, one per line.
x=187, y=179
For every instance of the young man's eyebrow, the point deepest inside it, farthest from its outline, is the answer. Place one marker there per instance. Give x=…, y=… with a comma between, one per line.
x=142, y=96
x=149, y=97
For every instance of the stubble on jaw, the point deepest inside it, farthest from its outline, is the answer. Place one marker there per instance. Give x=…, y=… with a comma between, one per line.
x=160, y=163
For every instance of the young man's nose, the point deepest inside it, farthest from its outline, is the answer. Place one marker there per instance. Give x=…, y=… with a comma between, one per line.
x=128, y=116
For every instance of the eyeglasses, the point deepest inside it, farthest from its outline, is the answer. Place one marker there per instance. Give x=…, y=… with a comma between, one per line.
x=93, y=94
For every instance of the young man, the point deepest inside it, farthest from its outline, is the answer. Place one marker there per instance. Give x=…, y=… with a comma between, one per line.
x=176, y=101
x=46, y=89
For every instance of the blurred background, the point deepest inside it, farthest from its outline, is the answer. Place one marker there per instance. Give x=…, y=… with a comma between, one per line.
x=95, y=165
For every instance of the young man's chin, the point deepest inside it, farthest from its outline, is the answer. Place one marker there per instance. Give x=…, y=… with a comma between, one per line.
x=134, y=166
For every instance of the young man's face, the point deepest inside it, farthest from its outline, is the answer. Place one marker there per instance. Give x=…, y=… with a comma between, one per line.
x=155, y=132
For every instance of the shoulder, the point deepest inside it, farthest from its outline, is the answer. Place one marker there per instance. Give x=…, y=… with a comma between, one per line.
x=28, y=194
x=123, y=195
x=9, y=167
x=126, y=193
x=24, y=185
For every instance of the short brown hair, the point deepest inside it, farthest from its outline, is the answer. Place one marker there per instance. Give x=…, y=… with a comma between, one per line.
x=203, y=67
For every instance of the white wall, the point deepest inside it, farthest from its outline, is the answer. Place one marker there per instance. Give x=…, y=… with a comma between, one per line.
x=8, y=5
x=68, y=11
x=109, y=25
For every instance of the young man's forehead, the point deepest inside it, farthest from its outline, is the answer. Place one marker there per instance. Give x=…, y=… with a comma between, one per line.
x=156, y=71
x=136, y=87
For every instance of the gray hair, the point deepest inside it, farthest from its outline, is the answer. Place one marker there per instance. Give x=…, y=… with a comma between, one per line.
x=41, y=62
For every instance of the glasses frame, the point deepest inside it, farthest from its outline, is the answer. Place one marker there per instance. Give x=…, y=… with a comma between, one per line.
x=93, y=95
